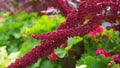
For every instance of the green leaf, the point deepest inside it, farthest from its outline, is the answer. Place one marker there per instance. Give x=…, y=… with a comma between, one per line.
x=68, y=48
x=111, y=33
x=46, y=64
x=70, y=41
x=104, y=31
x=77, y=39
x=17, y=35
x=60, y=52
x=94, y=61
x=90, y=62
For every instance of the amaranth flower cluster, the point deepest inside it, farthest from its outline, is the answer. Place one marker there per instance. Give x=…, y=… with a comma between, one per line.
x=95, y=11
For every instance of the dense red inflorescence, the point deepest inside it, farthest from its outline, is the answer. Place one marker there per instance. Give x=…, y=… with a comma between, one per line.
x=96, y=11
x=53, y=57
x=75, y=31
x=63, y=6
x=71, y=21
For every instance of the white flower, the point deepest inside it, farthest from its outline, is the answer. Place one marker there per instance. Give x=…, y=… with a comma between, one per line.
x=81, y=66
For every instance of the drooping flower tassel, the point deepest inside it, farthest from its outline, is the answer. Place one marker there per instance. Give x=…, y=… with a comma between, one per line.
x=63, y=7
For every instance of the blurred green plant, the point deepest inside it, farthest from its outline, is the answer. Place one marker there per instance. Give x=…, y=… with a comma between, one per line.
x=93, y=61
x=16, y=30
x=108, y=40
x=5, y=58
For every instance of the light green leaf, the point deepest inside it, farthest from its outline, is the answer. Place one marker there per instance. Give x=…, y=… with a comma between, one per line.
x=70, y=41
x=60, y=52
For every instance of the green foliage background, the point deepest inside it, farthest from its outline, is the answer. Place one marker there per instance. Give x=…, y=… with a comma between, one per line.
x=16, y=30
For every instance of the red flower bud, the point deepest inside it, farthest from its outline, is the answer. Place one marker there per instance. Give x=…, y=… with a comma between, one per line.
x=105, y=35
x=95, y=40
x=104, y=52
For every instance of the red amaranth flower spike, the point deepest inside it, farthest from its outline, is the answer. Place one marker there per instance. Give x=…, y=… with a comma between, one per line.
x=103, y=8
x=53, y=57
x=63, y=6
x=71, y=21
x=46, y=48
x=94, y=11
x=76, y=31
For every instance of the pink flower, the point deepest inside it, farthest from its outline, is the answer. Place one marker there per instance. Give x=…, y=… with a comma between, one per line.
x=117, y=57
x=104, y=52
x=49, y=9
x=98, y=51
x=99, y=29
x=94, y=33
